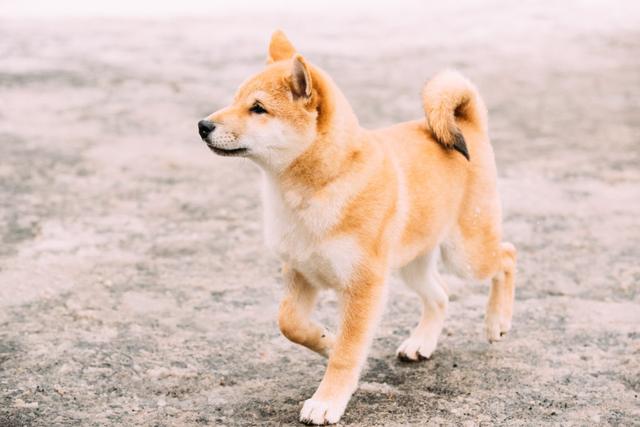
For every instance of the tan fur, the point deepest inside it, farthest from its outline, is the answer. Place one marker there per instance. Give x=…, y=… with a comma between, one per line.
x=347, y=205
x=294, y=319
x=450, y=97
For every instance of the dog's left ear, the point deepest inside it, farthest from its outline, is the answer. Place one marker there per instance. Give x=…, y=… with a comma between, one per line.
x=280, y=47
x=300, y=78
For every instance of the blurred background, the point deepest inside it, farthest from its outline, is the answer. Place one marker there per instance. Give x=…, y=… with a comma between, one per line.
x=134, y=286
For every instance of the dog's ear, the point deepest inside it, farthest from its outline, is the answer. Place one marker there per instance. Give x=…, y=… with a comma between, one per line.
x=300, y=78
x=280, y=47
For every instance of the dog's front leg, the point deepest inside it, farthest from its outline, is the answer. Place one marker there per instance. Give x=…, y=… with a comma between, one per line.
x=361, y=307
x=295, y=311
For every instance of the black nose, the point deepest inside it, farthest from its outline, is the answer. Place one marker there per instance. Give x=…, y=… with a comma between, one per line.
x=205, y=127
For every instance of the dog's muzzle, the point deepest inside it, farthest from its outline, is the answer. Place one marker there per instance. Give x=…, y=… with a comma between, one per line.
x=205, y=127
x=221, y=148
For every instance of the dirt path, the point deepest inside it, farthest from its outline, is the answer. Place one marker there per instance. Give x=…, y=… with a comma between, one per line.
x=134, y=287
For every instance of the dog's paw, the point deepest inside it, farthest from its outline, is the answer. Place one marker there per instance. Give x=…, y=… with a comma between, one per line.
x=496, y=327
x=414, y=349
x=505, y=325
x=321, y=412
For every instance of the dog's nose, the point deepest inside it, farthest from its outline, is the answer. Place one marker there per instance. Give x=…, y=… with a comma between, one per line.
x=205, y=127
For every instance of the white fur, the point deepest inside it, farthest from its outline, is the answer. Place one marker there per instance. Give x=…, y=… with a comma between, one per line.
x=320, y=412
x=341, y=256
x=220, y=138
x=300, y=241
x=421, y=275
x=274, y=144
x=453, y=256
x=271, y=143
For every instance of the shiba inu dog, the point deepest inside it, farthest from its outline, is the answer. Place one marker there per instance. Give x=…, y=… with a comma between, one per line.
x=343, y=206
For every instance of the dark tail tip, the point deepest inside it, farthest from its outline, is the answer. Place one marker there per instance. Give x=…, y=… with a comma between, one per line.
x=460, y=145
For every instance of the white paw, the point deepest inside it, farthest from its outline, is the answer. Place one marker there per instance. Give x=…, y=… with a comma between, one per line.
x=417, y=348
x=496, y=326
x=492, y=328
x=321, y=412
x=505, y=324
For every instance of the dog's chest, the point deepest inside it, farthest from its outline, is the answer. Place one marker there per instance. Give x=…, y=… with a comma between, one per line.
x=299, y=238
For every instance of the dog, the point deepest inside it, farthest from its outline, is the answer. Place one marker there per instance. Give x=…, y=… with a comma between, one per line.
x=344, y=206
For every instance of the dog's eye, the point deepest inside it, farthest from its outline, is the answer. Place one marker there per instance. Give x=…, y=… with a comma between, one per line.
x=257, y=109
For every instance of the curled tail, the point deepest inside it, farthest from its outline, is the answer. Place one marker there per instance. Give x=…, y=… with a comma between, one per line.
x=448, y=97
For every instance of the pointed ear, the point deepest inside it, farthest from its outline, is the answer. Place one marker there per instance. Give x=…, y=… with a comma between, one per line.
x=300, y=78
x=280, y=47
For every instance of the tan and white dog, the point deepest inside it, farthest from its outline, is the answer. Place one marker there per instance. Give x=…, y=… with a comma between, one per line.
x=343, y=206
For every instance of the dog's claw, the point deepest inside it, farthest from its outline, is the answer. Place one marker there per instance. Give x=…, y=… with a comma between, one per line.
x=403, y=357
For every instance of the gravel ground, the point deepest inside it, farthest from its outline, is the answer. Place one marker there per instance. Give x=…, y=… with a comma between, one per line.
x=134, y=286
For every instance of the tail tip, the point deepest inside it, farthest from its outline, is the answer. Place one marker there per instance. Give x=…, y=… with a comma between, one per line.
x=460, y=145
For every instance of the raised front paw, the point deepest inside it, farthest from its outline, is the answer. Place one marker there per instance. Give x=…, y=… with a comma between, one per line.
x=321, y=412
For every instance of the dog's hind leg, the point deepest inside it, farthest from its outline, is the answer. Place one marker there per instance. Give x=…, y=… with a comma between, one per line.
x=483, y=256
x=294, y=316
x=421, y=275
x=500, y=304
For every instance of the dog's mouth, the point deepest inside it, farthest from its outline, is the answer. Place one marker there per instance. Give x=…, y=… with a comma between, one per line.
x=229, y=152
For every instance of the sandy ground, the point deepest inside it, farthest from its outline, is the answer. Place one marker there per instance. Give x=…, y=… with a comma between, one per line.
x=134, y=287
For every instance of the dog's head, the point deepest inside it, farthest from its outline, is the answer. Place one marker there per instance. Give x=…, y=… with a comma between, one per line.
x=273, y=116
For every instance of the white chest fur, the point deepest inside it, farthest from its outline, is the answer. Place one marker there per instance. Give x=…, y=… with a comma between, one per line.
x=297, y=232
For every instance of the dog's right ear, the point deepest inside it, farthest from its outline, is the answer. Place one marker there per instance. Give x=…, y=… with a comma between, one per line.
x=280, y=47
x=300, y=79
